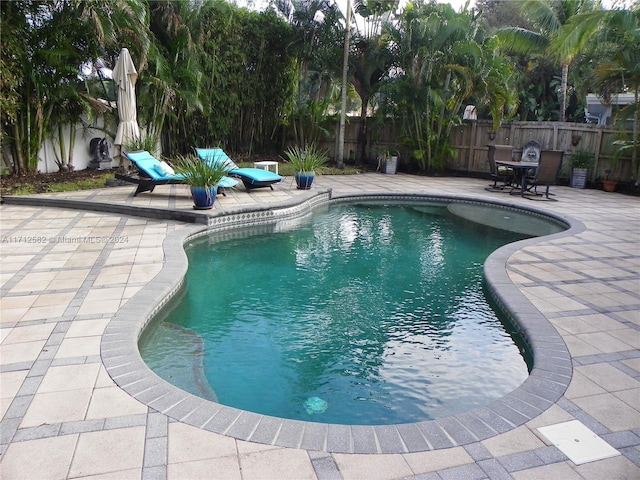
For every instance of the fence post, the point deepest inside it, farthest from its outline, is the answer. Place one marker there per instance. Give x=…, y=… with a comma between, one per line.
x=472, y=144
x=598, y=147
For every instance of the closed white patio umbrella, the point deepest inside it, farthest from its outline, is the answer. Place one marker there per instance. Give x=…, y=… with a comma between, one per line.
x=125, y=76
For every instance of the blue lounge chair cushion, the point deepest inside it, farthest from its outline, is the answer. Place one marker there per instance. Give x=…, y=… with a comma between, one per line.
x=254, y=174
x=153, y=168
x=227, y=182
x=163, y=168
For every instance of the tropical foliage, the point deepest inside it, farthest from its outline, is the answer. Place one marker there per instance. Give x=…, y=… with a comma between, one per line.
x=547, y=18
x=443, y=59
x=611, y=39
x=214, y=73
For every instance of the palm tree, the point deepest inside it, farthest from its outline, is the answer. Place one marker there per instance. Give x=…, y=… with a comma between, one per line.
x=319, y=36
x=548, y=16
x=46, y=63
x=495, y=84
x=611, y=37
x=370, y=58
x=436, y=54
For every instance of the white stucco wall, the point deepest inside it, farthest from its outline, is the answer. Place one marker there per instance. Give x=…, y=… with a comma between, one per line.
x=81, y=155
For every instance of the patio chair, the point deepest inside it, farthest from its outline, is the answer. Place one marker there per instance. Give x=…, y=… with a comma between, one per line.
x=251, y=177
x=152, y=172
x=531, y=152
x=500, y=173
x=547, y=172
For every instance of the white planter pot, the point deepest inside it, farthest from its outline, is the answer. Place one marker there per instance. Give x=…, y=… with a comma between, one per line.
x=578, y=177
x=390, y=165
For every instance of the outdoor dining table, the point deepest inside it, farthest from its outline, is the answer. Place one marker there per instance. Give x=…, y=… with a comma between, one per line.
x=519, y=171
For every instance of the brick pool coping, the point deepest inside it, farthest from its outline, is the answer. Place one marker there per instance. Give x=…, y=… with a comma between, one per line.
x=547, y=381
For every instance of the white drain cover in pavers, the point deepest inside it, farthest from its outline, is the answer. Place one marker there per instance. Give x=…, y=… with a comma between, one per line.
x=577, y=442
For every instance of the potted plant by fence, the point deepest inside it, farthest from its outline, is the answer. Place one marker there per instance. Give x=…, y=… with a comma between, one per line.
x=609, y=185
x=305, y=162
x=202, y=178
x=581, y=161
x=390, y=162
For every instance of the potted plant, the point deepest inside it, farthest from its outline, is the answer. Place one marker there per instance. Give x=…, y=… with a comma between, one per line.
x=305, y=162
x=202, y=177
x=581, y=161
x=607, y=184
x=390, y=162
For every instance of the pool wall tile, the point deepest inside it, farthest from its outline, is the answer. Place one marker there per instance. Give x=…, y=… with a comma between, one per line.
x=184, y=409
x=544, y=384
x=152, y=394
x=456, y=430
x=364, y=439
x=435, y=435
x=476, y=426
x=164, y=403
x=290, y=435
x=244, y=425
x=121, y=370
x=339, y=438
x=531, y=399
x=202, y=414
x=222, y=420
x=389, y=439
x=505, y=411
x=521, y=407
x=135, y=383
x=411, y=437
x=267, y=430
x=314, y=436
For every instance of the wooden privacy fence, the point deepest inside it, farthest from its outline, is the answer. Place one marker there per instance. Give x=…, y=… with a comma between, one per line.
x=470, y=141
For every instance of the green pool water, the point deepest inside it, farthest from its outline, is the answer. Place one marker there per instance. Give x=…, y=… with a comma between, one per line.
x=364, y=314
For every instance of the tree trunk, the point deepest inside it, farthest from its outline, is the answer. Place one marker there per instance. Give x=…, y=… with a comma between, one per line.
x=361, y=156
x=343, y=103
x=563, y=92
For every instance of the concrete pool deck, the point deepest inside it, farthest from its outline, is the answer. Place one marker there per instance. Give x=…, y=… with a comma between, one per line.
x=67, y=272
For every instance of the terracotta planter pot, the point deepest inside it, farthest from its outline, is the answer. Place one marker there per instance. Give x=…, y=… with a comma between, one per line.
x=609, y=185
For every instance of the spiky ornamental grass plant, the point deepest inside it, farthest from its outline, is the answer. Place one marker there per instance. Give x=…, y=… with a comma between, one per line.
x=306, y=160
x=198, y=173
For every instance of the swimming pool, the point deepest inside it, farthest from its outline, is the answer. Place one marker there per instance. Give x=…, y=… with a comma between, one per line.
x=400, y=319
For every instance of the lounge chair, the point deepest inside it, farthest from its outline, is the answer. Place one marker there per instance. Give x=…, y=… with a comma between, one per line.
x=152, y=172
x=547, y=171
x=500, y=173
x=251, y=177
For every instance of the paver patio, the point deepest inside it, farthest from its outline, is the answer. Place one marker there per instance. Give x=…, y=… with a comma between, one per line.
x=63, y=282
